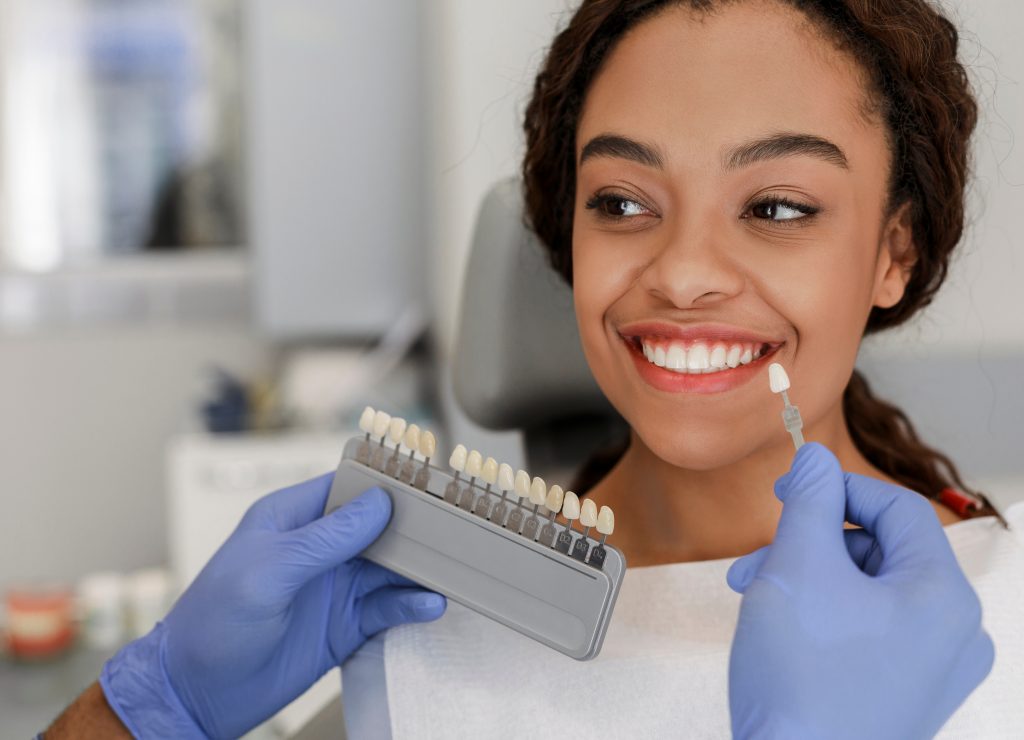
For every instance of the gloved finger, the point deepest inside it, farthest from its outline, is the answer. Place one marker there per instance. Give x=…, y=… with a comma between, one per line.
x=333, y=539
x=393, y=605
x=972, y=667
x=742, y=572
x=291, y=507
x=906, y=526
x=372, y=576
x=813, y=499
x=864, y=550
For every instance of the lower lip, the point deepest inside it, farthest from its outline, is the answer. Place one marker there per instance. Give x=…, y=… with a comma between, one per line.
x=720, y=382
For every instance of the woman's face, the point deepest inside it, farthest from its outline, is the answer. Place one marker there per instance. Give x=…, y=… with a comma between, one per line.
x=730, y=213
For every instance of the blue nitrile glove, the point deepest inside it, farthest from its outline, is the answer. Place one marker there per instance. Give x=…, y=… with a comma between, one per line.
x=283, y=601
x=871, y=633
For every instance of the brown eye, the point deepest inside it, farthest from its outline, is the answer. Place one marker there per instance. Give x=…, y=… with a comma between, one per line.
x=780, y=210
x=616, y=207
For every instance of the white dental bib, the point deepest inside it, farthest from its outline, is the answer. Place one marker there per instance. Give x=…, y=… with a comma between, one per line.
x=663, y=671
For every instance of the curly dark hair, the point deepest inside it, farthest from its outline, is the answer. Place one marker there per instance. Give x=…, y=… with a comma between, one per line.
x=917, y=87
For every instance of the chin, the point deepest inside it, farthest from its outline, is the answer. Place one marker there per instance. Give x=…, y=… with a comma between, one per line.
x=703, y=449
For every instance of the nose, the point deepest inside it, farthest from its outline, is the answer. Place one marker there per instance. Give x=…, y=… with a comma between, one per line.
x=693, y=267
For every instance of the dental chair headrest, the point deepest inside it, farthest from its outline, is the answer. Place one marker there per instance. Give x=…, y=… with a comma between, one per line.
x=518, y=360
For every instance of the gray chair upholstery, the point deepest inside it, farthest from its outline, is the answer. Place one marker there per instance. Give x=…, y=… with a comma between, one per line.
x=518, y=361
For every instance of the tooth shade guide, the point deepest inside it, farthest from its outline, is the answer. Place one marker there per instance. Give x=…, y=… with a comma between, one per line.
x=428, y=444
x=381, y=424
x=366, y=420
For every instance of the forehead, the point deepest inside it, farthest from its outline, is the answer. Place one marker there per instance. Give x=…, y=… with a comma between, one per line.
x=694, y=83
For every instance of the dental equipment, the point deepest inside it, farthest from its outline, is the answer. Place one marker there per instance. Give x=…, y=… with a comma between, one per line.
x=779, y=381
x=557, y=585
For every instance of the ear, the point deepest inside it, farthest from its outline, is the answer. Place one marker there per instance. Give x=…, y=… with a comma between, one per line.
x=897, y=255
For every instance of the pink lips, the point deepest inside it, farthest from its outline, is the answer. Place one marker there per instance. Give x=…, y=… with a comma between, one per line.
x=634, y=335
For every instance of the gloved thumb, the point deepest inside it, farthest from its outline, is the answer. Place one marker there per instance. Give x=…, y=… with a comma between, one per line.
x=333, y=539
x=813, y=496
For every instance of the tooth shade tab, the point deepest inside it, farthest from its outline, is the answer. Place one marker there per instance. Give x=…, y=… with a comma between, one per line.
x=778, y=378
x=606, y=521
x=522, y=484
x=381, y=423
x=555, y=497
x=506, y=478
x=366, y=420
x=428, y=444
x=588, y=513
x=412, y=437
x=396, y=430
x=539, y=491
x=489, y=471
x=474, y=464
x=458, y=459
x=571, y=506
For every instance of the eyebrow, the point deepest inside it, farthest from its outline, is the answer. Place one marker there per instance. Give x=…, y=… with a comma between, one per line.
x=621, y=147
x=785, y=145
x=758, y=150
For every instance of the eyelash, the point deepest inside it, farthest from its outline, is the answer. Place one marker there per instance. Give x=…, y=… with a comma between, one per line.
x=602, y=199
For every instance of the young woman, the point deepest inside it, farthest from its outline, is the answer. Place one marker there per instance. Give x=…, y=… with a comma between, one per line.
x=726, y=184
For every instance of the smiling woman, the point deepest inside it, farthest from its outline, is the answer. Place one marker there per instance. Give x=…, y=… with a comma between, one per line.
x=724, y=183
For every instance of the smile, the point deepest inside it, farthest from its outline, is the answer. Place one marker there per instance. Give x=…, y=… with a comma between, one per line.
x=708, y=358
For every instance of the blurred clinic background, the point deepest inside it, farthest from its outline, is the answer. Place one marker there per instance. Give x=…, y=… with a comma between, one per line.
x=227, y=225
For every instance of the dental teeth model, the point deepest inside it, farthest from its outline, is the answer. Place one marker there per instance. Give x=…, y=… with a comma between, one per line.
x=485, y=503
x=396, y=433
x=474, y=467
x=506, y=483
x=489, y=474
x=588, y=520
x=522, y=490
x=553, y=503
x=467, y=531
x=779, y=382
x=366, y=425
x=456, y=462
x=571, y=512
x=605, y=526
x=381, y=427
x=411, y=442
x=538, y=495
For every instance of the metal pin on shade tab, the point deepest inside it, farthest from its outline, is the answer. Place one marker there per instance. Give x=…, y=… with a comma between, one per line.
x=779, y=381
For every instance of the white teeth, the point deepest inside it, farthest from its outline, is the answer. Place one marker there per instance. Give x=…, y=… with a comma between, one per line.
x=396, y=430
x=474, y=464
x=675, y=358
x=649, y=352
x=659, y=356
x=777, y=378
x=588, y=513
x=412, y=437
x=697, y=357
x=555, y=497
x=381, y=422
x=506, y=478
x=366, y=420
x=606, y=520
x=718, y=357
x=538, y=491
x=747, y=357
x=522, y=487
x=458, y=459
x=732, y=359
x=428, y=444
x=571, y=506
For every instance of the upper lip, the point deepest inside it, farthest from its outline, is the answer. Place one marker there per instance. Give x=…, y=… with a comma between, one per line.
x=692, y=332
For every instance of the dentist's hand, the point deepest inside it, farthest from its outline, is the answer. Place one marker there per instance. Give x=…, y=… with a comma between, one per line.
x=871, y=633
x=284, y=600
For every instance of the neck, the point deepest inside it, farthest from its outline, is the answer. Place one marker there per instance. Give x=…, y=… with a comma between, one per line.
x=671, y=514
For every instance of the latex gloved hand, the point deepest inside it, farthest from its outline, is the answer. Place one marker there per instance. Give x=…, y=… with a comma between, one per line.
x=283, y=601
x=871, y=633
